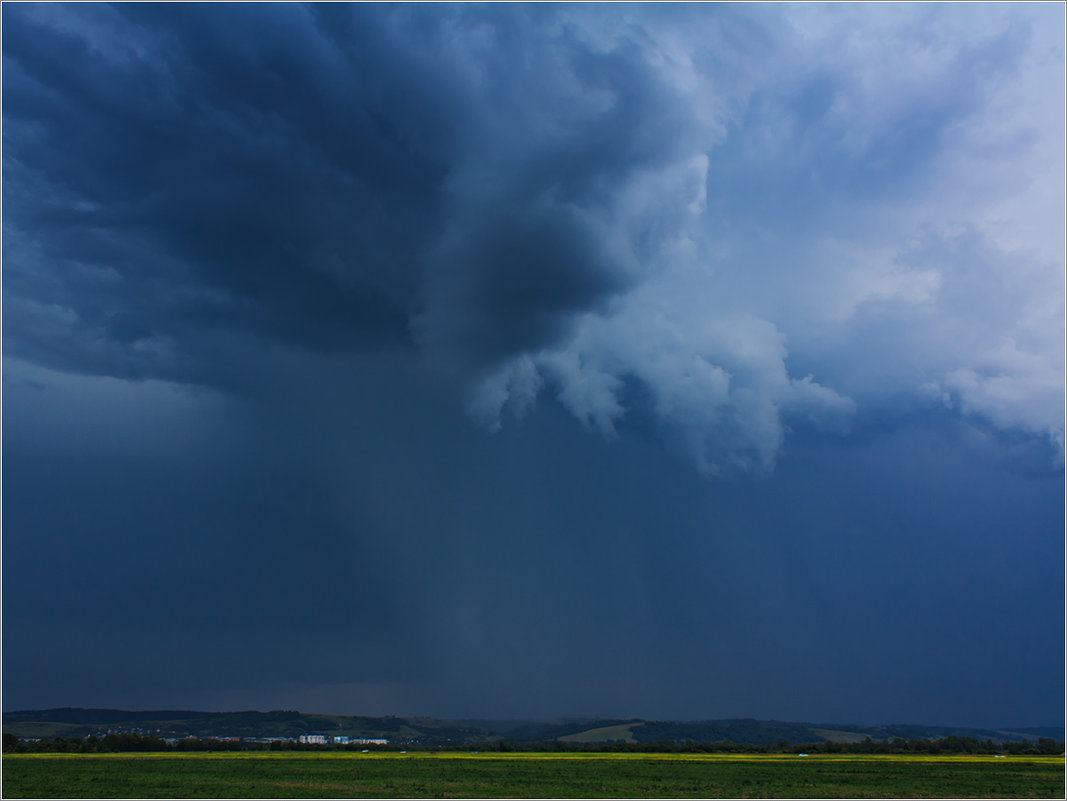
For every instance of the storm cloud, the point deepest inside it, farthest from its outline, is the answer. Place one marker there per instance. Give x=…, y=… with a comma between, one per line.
x=564, y=306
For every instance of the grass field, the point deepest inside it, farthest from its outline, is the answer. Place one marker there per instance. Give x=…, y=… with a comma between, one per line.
x=450, y=775
x=622, y=731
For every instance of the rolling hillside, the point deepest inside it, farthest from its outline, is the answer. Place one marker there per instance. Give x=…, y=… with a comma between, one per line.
x=175, y=724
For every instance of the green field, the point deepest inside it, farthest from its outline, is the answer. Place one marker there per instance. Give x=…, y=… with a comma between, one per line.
x=450, y=775
x=622, y=732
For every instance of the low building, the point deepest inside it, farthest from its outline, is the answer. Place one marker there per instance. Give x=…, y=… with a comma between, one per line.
x=313, y=738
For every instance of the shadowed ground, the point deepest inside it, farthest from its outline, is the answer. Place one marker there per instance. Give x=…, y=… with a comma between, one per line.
x=527, y=776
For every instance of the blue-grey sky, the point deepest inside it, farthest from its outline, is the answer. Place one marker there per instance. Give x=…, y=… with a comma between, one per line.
x=669, y=361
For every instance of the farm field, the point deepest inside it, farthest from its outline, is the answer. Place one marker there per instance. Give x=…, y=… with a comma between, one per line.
x=526, y=775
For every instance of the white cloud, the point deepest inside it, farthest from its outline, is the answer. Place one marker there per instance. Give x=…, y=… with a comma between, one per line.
x=1014, y=389
x=884, y=207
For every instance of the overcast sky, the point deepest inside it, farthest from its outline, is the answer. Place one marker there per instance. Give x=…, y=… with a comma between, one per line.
x=667, y=361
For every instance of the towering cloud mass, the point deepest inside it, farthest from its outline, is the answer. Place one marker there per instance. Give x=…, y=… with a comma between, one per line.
x=743, y=214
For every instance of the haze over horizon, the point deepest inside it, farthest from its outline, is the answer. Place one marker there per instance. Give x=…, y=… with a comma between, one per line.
x=667, y=361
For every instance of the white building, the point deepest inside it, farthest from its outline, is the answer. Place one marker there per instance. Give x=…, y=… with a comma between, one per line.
x=313, y=738
x=340, y=738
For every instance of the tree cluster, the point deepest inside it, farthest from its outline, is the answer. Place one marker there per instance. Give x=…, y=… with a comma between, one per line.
x=85, y=745
x=945, y=745
x=898, y=745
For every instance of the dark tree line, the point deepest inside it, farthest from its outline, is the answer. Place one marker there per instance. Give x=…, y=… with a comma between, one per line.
x=140, y=742
x=898, y=745
x=85, y=745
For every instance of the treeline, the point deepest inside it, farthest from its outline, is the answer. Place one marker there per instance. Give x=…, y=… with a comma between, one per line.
x=113, y=743
x=86, y=745
x=945, y=745
x=898, y=745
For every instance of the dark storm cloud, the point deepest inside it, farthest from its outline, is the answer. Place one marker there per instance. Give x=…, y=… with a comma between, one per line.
x=314, y=175
x=513, y=191
x=201, y=180
x=264, y=263
x=511, y=281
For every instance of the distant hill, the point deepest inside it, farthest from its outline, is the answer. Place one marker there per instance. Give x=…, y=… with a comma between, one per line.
x=282, y=724
x=72, y=722
x=749, y=731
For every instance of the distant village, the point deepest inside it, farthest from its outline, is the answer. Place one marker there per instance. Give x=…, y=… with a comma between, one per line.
x=339, y=739
x=307, y=739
